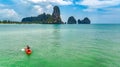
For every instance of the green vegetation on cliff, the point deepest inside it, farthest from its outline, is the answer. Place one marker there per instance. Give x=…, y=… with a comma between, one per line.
x=41, y=19
x=46, y=18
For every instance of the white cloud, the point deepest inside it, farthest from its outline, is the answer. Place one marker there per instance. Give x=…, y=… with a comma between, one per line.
x=25, y=8
x=95, y=4
x=9, y=14
x=20, y=2
x=35, y=7
x=62, y=2
x=2, y=5
x=38, y=9
x=58, y=2
x=49, y=6
x=37, y=1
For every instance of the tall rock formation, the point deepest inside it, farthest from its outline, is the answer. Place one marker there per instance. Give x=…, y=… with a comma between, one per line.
x=79, y=21
x=71, y=20
x=45, y=18
x=54, y=18
x=56, y=15
x=42, y=19
x=86, y=21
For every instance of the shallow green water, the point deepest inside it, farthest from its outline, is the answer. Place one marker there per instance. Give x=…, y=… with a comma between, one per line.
x=60, y=45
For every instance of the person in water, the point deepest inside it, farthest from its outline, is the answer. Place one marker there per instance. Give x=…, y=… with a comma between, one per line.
x=28, y=47
x=28, y=50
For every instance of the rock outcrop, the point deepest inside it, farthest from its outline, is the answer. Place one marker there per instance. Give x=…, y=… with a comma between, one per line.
x=45, y=18
x=86, y=21
x=79, y=21
x=55, y=18
x=71, y=20
x=42, y=18
x=56, y=15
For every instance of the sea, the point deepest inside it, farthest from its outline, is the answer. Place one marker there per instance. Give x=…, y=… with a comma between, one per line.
x=60, y=45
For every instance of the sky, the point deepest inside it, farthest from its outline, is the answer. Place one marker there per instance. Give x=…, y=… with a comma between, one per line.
x=98, y=11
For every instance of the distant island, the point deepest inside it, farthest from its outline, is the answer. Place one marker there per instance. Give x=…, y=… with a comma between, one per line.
x=44, y=18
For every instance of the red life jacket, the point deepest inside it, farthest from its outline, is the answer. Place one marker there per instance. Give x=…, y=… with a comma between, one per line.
x=28, y=51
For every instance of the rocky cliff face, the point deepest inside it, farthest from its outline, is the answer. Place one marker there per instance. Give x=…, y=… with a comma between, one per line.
x=56, y=15
x=54, y=18
x=46, y=18
x=71, y=20
x=85, y=21
x=42, y=18
x=79, y=21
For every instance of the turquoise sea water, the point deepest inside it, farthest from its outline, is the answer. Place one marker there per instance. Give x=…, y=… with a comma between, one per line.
x=60, y=45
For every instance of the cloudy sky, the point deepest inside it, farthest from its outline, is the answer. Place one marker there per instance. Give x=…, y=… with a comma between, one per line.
x=99, y=11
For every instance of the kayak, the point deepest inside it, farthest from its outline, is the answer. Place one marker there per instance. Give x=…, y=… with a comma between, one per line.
x=28, y=51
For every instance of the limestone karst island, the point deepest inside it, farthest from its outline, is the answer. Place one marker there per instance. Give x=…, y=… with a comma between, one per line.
x=44, y=18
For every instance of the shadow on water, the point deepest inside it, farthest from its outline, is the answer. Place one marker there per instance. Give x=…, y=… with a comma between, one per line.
x=56, y=37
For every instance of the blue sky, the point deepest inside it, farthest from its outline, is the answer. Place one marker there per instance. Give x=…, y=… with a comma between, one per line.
x=99, y=11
